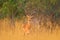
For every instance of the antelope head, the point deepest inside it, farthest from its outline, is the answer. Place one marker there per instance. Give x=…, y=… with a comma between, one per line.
x=29, y=17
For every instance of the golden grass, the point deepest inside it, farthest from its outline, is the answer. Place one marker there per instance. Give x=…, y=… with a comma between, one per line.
x=8, y=32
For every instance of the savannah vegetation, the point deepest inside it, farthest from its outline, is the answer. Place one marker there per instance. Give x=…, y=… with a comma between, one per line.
x=46, y=13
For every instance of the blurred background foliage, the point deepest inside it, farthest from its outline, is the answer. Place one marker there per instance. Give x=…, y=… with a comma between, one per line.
x=17, y=8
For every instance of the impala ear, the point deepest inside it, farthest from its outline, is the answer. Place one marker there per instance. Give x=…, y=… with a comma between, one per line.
x=29, y=16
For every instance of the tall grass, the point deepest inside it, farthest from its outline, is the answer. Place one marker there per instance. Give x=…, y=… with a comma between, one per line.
x=43, y=24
